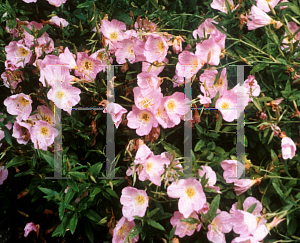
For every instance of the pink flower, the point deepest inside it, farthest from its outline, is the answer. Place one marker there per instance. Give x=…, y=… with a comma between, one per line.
x=141, y=120
x=221, y=224
x=52, y=73
x=150, y=101
x=21, y=131
x=252, y=87
x=288, y=148
x=56, y=3
x=147, y=82
x=144, y=24
x=44, y=113
x=263, y=4
x=244, y=239
x=103, y=56
x=288, y=40
x=116, y=111
x=258, y=18
x=184, y=228
x=155, y=68
x=232, y=168
x=3, y=174
x=125, y=51
x=134, y=201
x=142, y=154
x=28, y=228
x=68, y=59
x=87, y=67
x=162, y=115
x=11, y=79
x=113, y=30
x=175, y=106
x=20, y=105
x=243, y=223
x=242, y=185
x=121, y=231
x=64, y=96
x=275, y=129
x=153, y=168
x=221, y=5
x=204, y=100
x=208, y=78
x=28, y=38
x=227, y=105
x=210, y=175
x=249, y=201
x=45, y=43
x=57, y=21
x=283, y=7
x=29, y=1
x=177, y=44
x=18, y=54
x=190, y=194
x=42, y=135
x=263, y=116
x=175, y=165
x=155, y=48
x=209, y=51
x=177, y=80
x=188, y=65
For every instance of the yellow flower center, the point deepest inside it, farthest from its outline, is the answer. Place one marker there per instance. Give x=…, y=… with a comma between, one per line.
x=158, y=112
x=157, y=64
x=48, y=119
x=140, y=199
x=87, y=65
x=171, y=105
x=101, y=55
x=113, y=36
x=225, y=105
x=219, y=83
x=44, y=131
x=195, y=65
x=161, y=46
x=122, y=230
x=130, y=50
x=23, y=101
x=59, y=94
x=23, y=52
x=149, y=166
x=145, y=117
x=146, y=103
x=190, y=192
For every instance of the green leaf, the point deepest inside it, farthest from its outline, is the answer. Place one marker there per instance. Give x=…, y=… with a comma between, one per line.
x=73, y=185
x=256, y=103
x=134, y=231
x=291, y=224
x=69, y=195
x=155, y=224
x=213, y=208
x=277, y=188
x=251, y=209
x=7, y=136
x=92, y=215
x=50, y=193
x=86, y=4
x=89, y=232
x=112, y=193
x=211, y=146
x=73, y=223
x=61, y=210
x=16, y=161
x=170, y=148
x=95, y=169
x=199, y=128
x=48, y=157
x=228, y=8
x=42, y=31
x=199, y=145
x=81, y=175
x=154, y=211
x=27, y=30
x=191, y=221
x=172, y=232
x=218, y=124
x=121, y=16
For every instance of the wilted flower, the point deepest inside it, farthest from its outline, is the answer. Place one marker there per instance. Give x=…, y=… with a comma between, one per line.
x=275, y=104
x=28, y=228
x=57, y=21
x=116, y=111
x=121, y=231
x=275, y=129
x=3, y=174
x=21, y=131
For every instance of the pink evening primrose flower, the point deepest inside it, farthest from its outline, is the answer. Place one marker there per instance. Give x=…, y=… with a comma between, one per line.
x=125, y=51
x=208, y=78
x=103, y=56
x=113, y=30
x=116, y=111
x=232, y=168
x=288, y=40
x=20, y=105
x=52, y=73
x=87, y=66
x=21, y=131
x=283, y=7
x=252, y=86
x=153, y=168
x=188, y=64
x=56, y=3
x=3, y=174
x=204, y=100
x=42, y=135
x=275, y=129
x=155, y=68
x=44, y=113
x=263, y=4
x=142, y=154
x=147, y=82
x=28, y=228
x=243, y=223
x=155, y=48
x=144, y=24
x=221, y=224
x=210, y=175
x=18, y=54
x=134, y=201
x=227, y=104
x=68, y=59
x=175, y=165
x=28, y=38
x=209, y=51
x=29, y=1
x=150, y=101
x=57, y=21
x=64, y=96
x=11, y=79
x=175, y=106
x=141, y=120
x=162, y=116
x=242, y=185
x=184, y=228
x=245, y=239
x=221, y=5
x=121, y=231
x=258, y=18
x=288, y=148
x=190, y=194
x=177, y=80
